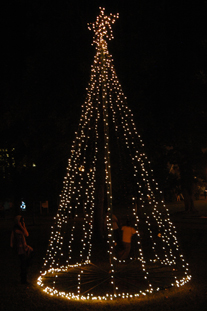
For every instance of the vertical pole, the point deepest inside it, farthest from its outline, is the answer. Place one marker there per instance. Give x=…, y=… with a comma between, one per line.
x=107, y=161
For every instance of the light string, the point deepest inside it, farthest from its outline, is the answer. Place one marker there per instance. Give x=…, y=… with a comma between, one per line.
x=145, y=174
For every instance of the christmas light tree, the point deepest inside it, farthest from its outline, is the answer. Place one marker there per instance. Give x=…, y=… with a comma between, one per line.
x=76, y=265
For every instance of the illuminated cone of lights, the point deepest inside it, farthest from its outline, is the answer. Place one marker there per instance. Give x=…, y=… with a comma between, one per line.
x=69, y=269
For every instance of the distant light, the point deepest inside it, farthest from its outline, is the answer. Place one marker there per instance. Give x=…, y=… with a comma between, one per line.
x=23, y=206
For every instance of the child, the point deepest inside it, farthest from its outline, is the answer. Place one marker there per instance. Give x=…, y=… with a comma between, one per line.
x=127, y=233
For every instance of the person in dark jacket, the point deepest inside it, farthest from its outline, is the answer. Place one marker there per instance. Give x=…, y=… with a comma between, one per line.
x=19, y=244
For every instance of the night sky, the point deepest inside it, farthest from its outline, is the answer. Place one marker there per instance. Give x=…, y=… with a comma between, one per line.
x=160, y=55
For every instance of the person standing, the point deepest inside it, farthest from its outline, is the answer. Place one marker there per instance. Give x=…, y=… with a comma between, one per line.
x=19, y=244
x=127, y=233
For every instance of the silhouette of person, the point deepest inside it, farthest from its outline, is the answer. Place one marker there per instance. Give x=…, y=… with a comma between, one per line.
x=19, y=244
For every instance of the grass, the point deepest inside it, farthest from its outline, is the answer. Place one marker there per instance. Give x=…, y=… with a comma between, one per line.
x=192, y=236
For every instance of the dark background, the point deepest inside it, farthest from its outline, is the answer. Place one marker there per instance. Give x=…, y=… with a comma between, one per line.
x=160, y=55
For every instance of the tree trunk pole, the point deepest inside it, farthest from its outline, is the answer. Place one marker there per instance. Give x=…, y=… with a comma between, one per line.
x=107, y=159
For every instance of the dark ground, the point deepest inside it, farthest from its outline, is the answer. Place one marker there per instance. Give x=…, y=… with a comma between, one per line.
x=192, y=235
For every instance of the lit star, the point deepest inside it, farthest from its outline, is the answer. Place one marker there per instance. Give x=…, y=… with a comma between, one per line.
x=102, y=28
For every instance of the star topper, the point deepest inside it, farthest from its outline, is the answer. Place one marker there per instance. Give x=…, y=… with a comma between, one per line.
x=102, y=28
